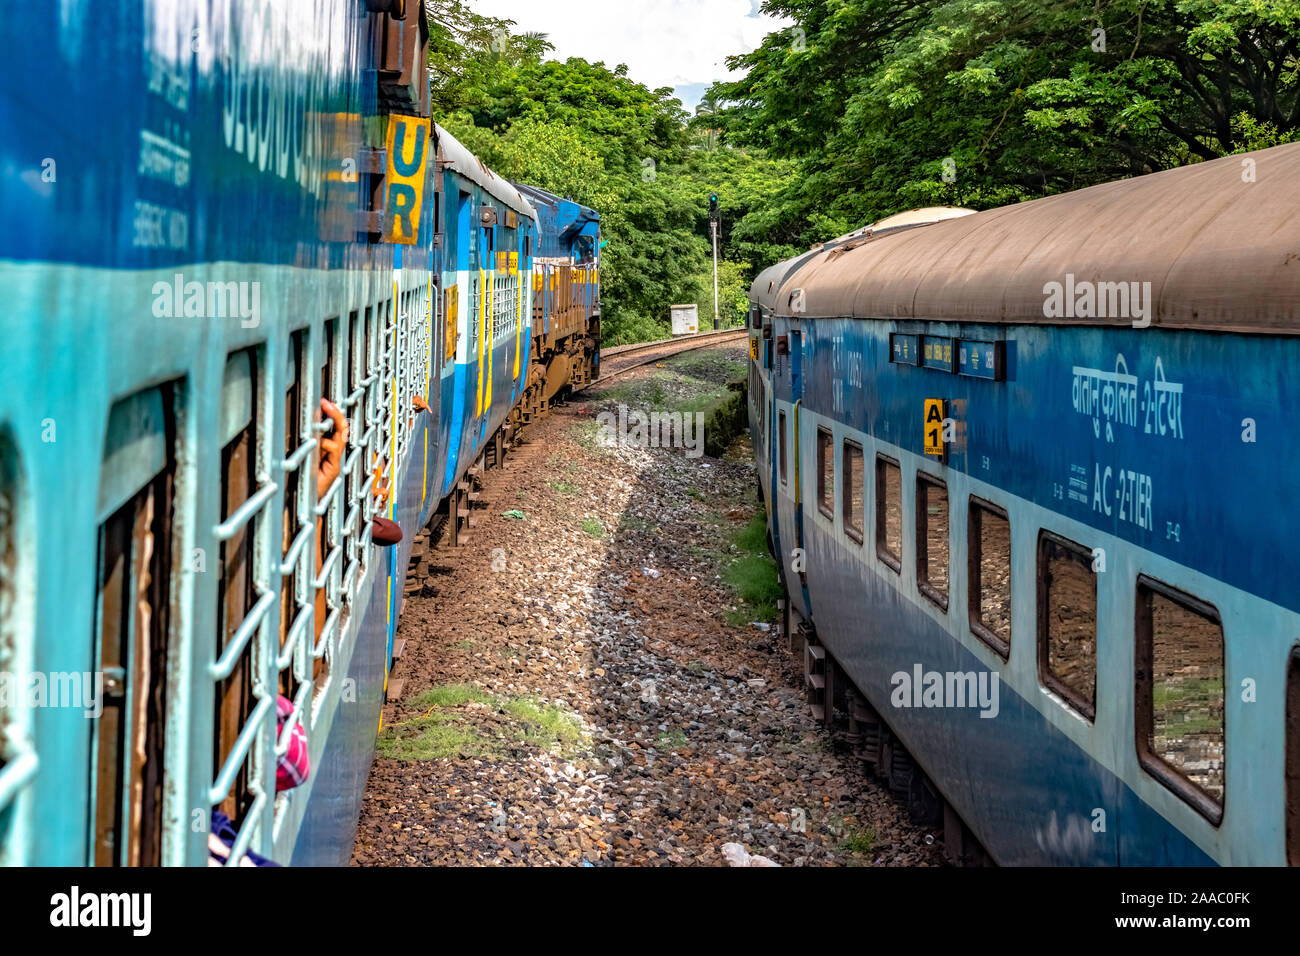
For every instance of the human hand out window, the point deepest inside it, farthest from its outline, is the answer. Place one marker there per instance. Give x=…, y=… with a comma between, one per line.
x=383, y=485
x=329, y=461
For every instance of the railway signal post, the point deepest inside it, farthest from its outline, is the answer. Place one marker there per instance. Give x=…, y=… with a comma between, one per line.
x=713, y=231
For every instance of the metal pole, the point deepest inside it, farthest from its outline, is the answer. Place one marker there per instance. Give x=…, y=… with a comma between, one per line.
x=713, y=228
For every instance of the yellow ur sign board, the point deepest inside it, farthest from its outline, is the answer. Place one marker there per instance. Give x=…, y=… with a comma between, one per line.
x=408, y=152
x=934, y=427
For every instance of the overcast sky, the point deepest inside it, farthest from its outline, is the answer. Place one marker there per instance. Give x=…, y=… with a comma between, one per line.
x=677, y=43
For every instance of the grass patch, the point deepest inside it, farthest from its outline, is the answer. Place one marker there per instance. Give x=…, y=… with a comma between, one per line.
x=630, y=522
x=587, y=433
x=672, y=739
x=563, y=487
x=545, y=725
x=688, y=383
x=451, y=695
x=709, y=362
x=752, y=538
x=446, y=728
x=465, y=645
x=752, y=575
x=858, y=840
x=593, y=527
x=435, y=737
x=728, y=420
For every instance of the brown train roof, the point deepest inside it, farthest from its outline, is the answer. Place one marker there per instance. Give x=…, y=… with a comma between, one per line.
x=1219, y=252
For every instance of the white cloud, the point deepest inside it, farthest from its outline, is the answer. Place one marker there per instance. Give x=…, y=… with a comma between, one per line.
x=663, y=42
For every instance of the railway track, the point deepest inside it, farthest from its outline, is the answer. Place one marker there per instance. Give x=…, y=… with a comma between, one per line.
x=624, y=358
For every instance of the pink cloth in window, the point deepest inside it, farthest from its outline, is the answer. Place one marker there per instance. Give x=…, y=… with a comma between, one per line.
x=290, y=770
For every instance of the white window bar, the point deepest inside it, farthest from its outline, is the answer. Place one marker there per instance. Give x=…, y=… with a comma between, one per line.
x=255, y=623
x=299, y=562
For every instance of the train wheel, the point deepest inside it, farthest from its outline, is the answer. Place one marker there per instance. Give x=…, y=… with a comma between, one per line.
x=924, y=805
x=901, y=771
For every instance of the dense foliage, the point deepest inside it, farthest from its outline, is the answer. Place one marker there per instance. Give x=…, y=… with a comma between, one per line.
x=861, y=109
x=890, y=104
x=590, y=133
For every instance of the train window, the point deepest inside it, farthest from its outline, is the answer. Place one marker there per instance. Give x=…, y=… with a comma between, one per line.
x=450, y=311
x=1180, y=695
x=362, y=436
x=329, y=362
x=889, y=512
x=932, y=539
x=1293, y=759
x=781, y=446
x=355, y=372
x=853, y=494
x=825, y=473
x=329, y=526
x=475, y=311
x=292, y=593
x=237, y=591
x=989, y=573
x=133, y=629
x=1067, y=621
x=18, y=763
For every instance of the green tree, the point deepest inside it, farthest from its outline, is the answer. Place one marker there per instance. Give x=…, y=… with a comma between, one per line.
x=886, y=105
x=590, y=133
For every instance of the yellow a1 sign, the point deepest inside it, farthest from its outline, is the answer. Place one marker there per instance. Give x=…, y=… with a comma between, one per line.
x=934, y=416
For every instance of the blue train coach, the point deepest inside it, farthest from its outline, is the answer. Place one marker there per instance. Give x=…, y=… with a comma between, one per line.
x=241, y=210
x=1029, y=475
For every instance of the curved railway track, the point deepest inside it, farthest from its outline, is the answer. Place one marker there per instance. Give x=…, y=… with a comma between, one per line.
x=624, y=358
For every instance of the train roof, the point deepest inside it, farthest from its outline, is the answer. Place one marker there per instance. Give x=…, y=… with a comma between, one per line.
x=1221, y=250
x=767, y=285
x=454, y=155
x=539, y=196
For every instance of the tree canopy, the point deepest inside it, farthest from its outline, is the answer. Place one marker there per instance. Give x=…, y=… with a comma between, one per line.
x=886, y=105
x=860, y=109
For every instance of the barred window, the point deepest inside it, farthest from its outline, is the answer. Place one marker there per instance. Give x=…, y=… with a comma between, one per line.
x=989, y=572
x=889, y=512
x=1067, y=621
x=134, y=630
x=781, y=443
x=18, y=761
x=1180, y=694
x=825, y=473
x=853, y=493
x=932, y=539
x=237, y=561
